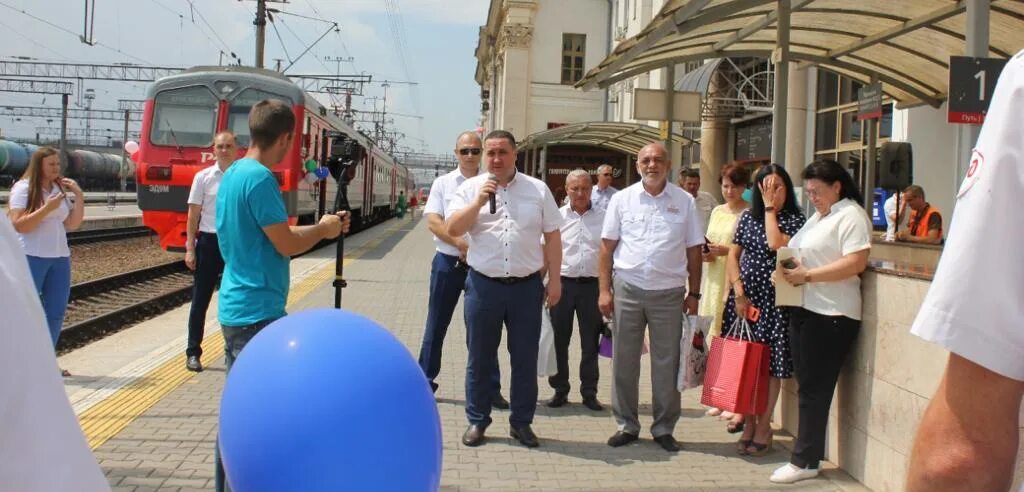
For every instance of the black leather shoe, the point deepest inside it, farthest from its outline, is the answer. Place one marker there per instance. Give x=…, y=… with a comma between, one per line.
x=474, y=435
x=592, y=403
x=668, y=443
x=499, y=402
x=433, y=386
x=193, y=364
x=560, y=399
x=525, y=436
x=621, y=439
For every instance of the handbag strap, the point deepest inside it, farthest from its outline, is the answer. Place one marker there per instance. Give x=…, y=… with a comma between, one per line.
x=740, y=329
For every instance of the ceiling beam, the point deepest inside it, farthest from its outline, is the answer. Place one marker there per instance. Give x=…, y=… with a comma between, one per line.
x=750, y=29
x=901, y=29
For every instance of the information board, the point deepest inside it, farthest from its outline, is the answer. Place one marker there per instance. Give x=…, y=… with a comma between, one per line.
x=971, y=84
x=754, y=141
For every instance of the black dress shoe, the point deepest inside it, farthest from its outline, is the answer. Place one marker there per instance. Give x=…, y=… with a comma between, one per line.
x=193, y=364
x=621, y=439
x=560, y=399
x=474, y=435
x=668, y=443
x=499, y=402
x=592, y=403
x=525, y=436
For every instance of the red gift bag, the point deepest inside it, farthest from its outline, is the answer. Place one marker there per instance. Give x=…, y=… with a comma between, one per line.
x=737, y=372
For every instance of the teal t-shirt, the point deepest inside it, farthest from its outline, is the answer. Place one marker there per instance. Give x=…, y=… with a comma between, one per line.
x=255, y=282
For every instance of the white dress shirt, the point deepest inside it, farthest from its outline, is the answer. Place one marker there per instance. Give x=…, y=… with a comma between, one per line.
x=439, y=203
x=581, y=241
x=204, y=193
x=973, y=307
x=706, y=203
x=653, y=233
x=889, y=208
x=822, y=240
x=49, y=239
x=599, y=199
x=508, y=242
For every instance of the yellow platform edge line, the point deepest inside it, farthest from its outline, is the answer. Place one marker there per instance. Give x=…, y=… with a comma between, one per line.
x=109, y=417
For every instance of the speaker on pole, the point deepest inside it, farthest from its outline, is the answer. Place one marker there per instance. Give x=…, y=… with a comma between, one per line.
x=895, y=166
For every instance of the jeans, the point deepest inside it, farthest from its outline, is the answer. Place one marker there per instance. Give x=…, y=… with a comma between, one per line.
x=235, y=339
x=52, y=278
x=209, y=267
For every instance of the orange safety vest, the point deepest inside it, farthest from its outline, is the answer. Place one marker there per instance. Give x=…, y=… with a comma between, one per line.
x=919, y=222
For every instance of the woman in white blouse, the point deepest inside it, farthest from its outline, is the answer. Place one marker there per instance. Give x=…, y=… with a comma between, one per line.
x=833, y=247
x=42, y=214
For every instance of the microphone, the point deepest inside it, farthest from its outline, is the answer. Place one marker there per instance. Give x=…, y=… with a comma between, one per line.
x=494, y=204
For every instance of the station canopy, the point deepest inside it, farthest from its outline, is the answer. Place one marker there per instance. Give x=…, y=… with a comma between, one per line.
x=624, y=137
x=906, y=43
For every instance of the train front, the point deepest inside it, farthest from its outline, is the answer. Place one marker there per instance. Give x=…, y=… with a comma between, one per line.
x=183, y=113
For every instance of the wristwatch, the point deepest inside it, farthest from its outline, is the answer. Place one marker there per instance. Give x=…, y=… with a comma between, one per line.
x=769, y=209
x=695, y=295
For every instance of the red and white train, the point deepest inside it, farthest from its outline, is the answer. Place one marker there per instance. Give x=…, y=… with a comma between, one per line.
x=183, y=112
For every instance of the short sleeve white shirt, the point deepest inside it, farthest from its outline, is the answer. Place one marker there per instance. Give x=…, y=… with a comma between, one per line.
x=581, y=241
x=653, y=234
x=508, y=242
x=599, y=198
x=822, y=240
x=441, y=193
x=49, y=239
x=974, y=307
x=204, y=193
x=889, y=207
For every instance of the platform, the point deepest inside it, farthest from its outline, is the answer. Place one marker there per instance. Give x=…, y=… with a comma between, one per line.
x=152, y=424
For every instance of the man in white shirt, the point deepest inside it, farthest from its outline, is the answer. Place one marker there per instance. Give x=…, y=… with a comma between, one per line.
x=42, y=448
x=603, y=190
x=202, y=253
x=652, y=238
x=504, y=285
x=689, y=180
x=448, y=270
x=890, y=209
x=968, y=437
x=581, y=243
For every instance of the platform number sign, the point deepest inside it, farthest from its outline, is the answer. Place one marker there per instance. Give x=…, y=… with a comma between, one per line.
x=971, y=84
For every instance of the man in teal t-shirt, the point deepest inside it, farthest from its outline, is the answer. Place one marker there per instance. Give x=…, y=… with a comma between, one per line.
x=255, y=238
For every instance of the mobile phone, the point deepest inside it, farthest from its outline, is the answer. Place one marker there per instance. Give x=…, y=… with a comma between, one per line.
x=788, y=263
x=705, y=247
x=753, y=313
x=67, y=199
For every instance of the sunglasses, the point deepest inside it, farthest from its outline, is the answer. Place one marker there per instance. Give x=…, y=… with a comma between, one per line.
x=467, y=151
x=606, y=174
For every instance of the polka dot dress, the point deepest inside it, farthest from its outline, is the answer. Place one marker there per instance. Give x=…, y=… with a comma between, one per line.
x=756, y=266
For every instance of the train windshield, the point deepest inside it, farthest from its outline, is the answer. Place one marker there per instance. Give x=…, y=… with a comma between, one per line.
x=185, y=117
x=238, y=111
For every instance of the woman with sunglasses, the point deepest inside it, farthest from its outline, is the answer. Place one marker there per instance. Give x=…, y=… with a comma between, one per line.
x=42, y=214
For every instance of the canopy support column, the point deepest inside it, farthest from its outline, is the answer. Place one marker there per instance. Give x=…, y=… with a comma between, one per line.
x=977, y=34
x=781, y=60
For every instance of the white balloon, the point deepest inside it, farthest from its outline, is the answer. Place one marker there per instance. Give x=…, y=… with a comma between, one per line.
x=131, y=146
x=311, y=178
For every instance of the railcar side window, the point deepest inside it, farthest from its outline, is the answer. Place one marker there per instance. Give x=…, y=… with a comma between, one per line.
x=238, y=111
x=184, y=117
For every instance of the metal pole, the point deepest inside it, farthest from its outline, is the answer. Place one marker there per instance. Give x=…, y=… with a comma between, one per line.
x=670, y=89
x=977, y=30
x=870, y=161
x=261, y=30
x=63, y=131
x=124, y=153
x=781, y=91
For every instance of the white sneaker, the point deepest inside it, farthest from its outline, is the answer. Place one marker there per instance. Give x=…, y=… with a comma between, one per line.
x=790, y=473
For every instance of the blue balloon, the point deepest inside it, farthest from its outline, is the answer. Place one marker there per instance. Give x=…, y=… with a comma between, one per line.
x=327, y=399
x=322, y=172
x=748, y=195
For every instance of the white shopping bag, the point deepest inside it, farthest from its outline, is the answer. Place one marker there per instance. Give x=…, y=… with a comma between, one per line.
x=547, y=363
x=693, y=352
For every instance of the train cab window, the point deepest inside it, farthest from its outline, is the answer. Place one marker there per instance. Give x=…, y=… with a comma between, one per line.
x=184, y=117
x=238, y=111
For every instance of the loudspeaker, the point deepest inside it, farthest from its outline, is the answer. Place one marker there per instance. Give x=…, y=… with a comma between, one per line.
x=895, y=166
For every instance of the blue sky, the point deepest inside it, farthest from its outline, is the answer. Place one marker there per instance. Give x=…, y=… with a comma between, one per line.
x=440, y=37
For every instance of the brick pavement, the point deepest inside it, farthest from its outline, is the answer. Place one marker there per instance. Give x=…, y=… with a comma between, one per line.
x=170, y=447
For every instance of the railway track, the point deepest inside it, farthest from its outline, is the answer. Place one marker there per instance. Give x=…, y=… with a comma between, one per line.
x=97, y=235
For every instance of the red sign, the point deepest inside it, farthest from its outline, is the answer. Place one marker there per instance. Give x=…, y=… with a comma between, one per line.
x=963, y=117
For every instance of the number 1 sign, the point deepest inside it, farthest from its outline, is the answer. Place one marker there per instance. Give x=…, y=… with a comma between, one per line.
x=971, y=83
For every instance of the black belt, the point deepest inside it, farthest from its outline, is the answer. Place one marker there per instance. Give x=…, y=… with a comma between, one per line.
x=508, y=280
x=579, y=280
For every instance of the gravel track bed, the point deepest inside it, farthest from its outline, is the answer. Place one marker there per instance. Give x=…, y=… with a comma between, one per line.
x=98, y=260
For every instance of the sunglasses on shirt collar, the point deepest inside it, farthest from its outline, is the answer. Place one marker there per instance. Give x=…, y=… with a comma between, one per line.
x=467, y=151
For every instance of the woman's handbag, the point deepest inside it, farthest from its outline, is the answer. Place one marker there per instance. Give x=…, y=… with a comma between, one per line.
x=737, y=372
x=693, y=354
x=604, y=348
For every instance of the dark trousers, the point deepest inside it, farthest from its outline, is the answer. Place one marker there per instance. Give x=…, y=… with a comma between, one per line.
x=209, y=267
x=488, y=305
x=446, y=285
x=820, y=344
x=581, y=299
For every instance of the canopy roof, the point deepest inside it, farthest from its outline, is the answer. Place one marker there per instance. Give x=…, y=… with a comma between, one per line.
x=906, y=43
x=624, y=137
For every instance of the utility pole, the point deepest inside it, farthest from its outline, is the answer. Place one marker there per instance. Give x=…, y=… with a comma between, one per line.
x=124, y=153
x=261, y=28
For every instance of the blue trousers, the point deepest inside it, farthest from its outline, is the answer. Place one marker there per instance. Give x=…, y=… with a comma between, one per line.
x=488, y=305
x=52, y=278
x=209, y=267
x=446, y=285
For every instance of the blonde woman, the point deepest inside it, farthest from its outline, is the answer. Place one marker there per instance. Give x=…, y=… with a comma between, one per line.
x=721, y=228
x=42, y=214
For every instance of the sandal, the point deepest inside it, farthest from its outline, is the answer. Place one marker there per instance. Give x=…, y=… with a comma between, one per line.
x=742, y=445
x=733, y=427
x=65, y=373
x=755, y=448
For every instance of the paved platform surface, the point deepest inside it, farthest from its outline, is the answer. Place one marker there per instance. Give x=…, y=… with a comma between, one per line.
x=169, y=446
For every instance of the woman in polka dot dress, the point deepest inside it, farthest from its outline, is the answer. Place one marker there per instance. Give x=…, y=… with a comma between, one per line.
x=772, y=219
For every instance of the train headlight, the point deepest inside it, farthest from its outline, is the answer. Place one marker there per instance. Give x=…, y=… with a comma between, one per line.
x=158, y=172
